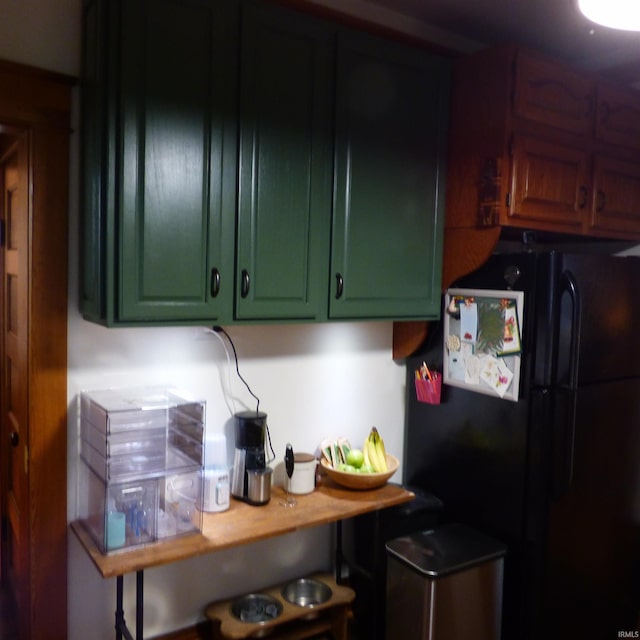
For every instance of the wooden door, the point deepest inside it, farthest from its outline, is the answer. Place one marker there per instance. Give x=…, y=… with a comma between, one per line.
x=388, y=219
x=550, y=185
x=616, y=197
x=285, y=166
x=618, y=116
x=177, y=208
x=553, y=95
x=33, y=331
x=14, y=370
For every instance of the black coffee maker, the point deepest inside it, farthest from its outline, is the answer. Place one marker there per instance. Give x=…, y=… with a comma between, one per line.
x=251, y=479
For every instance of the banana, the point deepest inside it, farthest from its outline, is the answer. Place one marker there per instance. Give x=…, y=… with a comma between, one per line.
x=373, y=453
x=365, y=451
x=381, y=453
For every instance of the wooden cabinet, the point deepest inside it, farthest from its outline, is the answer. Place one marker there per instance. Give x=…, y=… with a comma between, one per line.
x=618, y=116
x=537, y=145
x=159, y=161
x=615, y=206
x=248, y=163
x=534, y=145
x=285, y=165
x=578, y=174
x=358, y=238
x=548, y=184
x=391, y=124
x=546, y=93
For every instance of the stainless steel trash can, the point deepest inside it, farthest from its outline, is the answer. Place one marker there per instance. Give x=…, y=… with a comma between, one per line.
x=444, y=584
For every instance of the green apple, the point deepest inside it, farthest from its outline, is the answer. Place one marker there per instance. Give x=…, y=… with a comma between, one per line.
x=347, y=467
x=355, y=458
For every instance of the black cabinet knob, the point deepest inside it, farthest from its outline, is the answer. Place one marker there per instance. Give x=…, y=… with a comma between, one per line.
x=339, y=286
x=215, y=282
x=244, y=288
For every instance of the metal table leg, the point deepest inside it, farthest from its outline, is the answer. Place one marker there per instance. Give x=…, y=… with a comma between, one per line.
x=139, y=604
x=122, y=631
x=339, y=556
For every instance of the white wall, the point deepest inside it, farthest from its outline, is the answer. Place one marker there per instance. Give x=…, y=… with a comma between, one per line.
x=313, y=381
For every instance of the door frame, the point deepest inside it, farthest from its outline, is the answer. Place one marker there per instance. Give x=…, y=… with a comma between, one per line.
x=40, y=102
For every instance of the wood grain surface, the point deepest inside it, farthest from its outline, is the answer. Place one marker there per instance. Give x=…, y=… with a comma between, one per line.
x=244, y=524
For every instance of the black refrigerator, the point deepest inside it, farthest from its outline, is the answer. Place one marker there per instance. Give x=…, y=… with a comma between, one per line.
x=555, y=472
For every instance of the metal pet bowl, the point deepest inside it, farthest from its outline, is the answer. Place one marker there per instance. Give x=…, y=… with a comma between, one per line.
x=256, y=608
x=306, y=592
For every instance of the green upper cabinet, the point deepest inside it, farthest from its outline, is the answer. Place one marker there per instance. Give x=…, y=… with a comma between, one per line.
x=285, y=165
x=161, y=183
x=246, y=162
x=388, y=218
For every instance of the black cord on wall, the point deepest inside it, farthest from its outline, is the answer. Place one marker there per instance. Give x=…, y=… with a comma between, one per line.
x=219, y=329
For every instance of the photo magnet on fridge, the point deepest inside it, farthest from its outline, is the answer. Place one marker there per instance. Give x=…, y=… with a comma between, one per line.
x=483, y=341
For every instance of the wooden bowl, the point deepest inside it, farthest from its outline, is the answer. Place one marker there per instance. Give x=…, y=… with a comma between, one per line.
x=362, y=481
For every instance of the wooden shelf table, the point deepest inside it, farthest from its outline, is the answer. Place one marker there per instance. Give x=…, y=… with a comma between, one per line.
x=241, y=524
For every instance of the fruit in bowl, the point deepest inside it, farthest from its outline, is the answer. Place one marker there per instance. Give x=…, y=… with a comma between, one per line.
x=366, y=468
x=355, y=458
x=364, y=481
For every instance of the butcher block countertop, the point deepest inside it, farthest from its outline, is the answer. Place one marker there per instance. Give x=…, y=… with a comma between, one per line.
x=244, y=524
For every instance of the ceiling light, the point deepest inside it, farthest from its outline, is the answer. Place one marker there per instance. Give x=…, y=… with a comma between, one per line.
x=617, y=14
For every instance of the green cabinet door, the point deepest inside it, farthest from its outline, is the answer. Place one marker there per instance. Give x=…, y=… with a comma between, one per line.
x=168, y=208
x=285, y=165
x=177, y=165
x=391, y=125
x=95, y=259
x=198, y=111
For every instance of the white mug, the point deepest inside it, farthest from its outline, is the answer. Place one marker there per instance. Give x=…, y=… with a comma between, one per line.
x=303, y=479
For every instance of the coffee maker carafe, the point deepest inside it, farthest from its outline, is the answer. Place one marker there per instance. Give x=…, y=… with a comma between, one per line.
x=251, y=480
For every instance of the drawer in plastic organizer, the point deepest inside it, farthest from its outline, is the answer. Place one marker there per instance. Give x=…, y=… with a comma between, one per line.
x=119, y=515
x=180, y=503
x=146, y=442
x=117, y=410
x=192, y=449
x=182, y=421
x=127, y=465
x=129, y=514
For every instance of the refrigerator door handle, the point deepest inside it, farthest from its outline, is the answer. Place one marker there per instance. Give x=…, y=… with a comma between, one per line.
x=565, y=409
x=570, y=287
x=564, y=441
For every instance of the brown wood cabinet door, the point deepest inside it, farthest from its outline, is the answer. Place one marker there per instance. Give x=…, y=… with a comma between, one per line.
x=618, y=116
x=549, y=185
x=553, y=96
x=616, y=196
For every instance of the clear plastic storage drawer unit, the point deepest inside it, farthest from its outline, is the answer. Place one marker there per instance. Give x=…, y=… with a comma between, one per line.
x=128, y=433
x=141, y=465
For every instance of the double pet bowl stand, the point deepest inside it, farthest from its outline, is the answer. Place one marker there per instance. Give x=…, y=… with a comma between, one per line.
x=294, y=622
